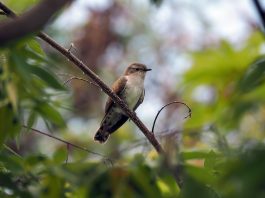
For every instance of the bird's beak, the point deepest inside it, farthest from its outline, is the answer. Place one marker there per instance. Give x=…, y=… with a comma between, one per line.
x=148, y=69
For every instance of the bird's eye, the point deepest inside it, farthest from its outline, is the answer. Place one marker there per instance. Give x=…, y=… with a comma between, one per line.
x=137, y=69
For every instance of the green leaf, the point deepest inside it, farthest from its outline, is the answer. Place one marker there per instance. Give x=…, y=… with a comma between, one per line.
x=253, y=77
x=10, y=125
x=20, y=6
x=35, y=46
x=31, y=119
x=193, y=188
x=12, y=94
x=168, y=186
x=197, y=155
x=200, y=174
x=47, y=77
x=18, y=65
x=60, y=155
x=51, y=114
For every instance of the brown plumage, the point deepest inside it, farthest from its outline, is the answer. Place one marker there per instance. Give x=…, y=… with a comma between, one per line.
x=130, y=88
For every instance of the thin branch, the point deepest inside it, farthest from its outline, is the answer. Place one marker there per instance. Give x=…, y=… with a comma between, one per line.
x=30, y=22
x=7, y=11
x=78, y=78
x=260, y=12
x=78, y=63
x=72, y=46
x=175, y=102
x=68, y=149
x=68, y=144
x=12, y=151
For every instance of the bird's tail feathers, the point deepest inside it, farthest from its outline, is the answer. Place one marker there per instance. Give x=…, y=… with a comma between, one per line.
x=101, y=136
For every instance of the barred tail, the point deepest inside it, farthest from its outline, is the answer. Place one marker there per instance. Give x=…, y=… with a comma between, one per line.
x=101, y=136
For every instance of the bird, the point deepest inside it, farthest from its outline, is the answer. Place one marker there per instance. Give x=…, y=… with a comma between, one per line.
x=130, y=88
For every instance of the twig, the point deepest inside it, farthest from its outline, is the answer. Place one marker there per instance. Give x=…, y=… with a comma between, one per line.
x=8, y=12
x=68, y=144
x=260, y=12
x=64, y=74
x=12, y=151
x=175, y=102
x=72, y=46
x=78, y=78
x=68, y=149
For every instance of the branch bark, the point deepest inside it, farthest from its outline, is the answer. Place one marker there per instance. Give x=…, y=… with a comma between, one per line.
x=30, y=22
x=95, y=78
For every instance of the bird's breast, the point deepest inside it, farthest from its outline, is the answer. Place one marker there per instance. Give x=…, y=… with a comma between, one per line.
x=132, y=95
x=133, y=91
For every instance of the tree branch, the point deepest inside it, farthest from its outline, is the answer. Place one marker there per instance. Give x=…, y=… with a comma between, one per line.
x=78, y=63
x=30, y=22
x=68, y=144
x=78, y=78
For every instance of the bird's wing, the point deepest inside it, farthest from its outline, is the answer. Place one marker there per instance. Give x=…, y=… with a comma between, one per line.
x=117, y=87
x=140, y=101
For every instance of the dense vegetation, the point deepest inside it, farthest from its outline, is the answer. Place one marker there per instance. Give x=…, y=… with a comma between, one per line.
x=220, y=154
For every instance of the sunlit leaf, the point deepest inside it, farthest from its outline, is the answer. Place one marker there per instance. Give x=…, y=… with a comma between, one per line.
x=60, y=155
x=168, y=186
x=195, y=155
x=201, y=174
x=19, y=6
x=35, y=47
x=31, y=119
x=253, y=77
x=12, y=95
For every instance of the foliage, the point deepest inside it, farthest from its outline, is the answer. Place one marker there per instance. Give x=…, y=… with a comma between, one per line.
x=27, y=88
x=239, y=174
x=233, y=80
x=234, y=88
x=20, y=6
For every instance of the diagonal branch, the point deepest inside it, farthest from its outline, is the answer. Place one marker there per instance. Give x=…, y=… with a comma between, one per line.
x=68, y=144
x=105, y=88
x=78, y=78
x=260, y=12
x=95, y=78
x=30, y=22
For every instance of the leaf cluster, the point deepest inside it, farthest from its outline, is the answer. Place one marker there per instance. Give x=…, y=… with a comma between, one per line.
x=27, y=88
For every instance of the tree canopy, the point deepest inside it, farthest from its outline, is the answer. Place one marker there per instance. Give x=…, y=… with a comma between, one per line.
x=50, y=109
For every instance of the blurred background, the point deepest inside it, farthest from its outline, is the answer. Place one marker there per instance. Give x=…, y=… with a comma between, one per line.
x=205, y=53
x=198, y=52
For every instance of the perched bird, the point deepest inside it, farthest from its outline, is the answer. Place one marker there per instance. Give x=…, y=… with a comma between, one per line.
x=130, y=88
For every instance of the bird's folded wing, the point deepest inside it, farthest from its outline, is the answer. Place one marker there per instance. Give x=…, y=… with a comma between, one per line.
x=118, y=87
x=140, y=101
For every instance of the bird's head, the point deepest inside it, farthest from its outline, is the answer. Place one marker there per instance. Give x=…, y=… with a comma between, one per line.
x=136, y=69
